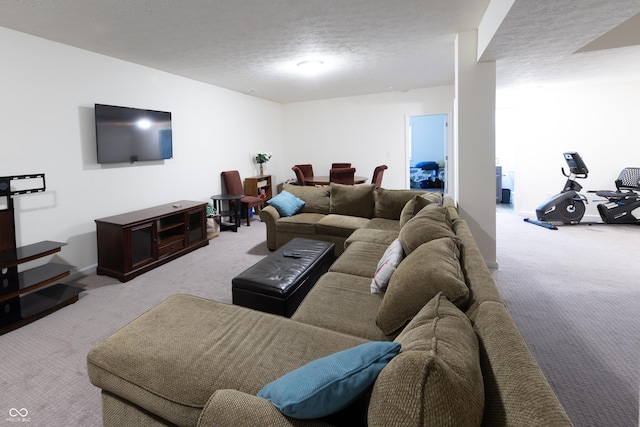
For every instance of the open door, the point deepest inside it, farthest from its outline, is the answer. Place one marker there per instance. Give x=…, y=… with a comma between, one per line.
x=427, y=139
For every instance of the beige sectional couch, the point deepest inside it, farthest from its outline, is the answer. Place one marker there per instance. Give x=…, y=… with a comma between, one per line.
x=462, y=362
x=332, y=213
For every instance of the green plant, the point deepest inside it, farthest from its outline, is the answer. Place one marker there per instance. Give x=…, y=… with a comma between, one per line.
x=262, y=157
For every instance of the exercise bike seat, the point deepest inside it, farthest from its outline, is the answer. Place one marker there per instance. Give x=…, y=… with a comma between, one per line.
x=629, y=179
x=623, y=206
x=616, y=195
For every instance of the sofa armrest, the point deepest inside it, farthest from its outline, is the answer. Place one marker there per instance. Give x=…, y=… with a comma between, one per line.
x=516, y=391
x=234, y=408
x=269, y=215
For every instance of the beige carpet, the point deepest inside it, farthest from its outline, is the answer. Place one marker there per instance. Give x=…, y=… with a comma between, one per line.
x=575, y=295
x=573, y=292
x=44, y=363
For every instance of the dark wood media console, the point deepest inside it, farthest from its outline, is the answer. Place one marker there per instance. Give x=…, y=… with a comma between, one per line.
x=136, y=242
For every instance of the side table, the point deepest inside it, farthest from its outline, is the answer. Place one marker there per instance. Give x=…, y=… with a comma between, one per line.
x=232, y=214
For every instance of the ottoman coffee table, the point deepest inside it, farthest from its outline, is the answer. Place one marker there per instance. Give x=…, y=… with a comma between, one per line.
x=278, y=283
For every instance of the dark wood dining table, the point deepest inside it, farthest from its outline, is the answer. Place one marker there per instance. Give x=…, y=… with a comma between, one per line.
x=324, y=180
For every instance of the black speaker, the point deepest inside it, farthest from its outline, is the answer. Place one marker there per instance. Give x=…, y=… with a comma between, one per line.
x=5, y=186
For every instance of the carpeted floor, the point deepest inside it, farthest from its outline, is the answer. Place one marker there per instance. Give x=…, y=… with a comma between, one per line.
x=44, y=363
x=573, y=293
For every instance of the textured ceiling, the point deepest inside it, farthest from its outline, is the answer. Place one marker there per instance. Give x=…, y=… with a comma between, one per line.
x=536, y=42
x=368, y=46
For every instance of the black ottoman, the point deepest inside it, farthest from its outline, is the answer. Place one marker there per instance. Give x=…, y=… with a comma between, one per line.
x=278, y=283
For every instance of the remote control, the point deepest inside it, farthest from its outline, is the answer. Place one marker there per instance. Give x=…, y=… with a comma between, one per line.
x=290, y=254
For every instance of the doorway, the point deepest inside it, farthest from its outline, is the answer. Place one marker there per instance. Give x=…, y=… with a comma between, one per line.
x=427, y=140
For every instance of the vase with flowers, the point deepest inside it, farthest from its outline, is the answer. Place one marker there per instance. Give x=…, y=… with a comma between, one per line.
x=261, y=158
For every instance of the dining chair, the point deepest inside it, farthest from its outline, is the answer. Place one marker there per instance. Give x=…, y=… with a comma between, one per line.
x=233, y=184
x=342, y=175
x=377, y=175
x=299, y=175
x=340, y=165
x=307, y=169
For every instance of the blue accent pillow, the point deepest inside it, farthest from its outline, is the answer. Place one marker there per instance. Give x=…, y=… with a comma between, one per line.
x=286, y=203
x=327, y=385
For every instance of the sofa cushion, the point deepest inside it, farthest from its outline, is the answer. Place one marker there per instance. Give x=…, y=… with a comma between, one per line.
x=354, y=200
x=380, y=237
x=389, y=203
x=331, y=383
x=477, y=276
x=173, y=357
x=386, y=266
x=316, y=199
x=286, y=203
x=359, y=259
x=302, y=223
x=427, y=199
x=436, y=379
x=340, y=225
x=339, y=296
x=432, y=268
x=384, y=224
x=415, y=205
x=430, y=223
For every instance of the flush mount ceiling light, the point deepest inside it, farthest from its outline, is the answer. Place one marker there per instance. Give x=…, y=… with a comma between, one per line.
x=310, y=66
x=310, y=63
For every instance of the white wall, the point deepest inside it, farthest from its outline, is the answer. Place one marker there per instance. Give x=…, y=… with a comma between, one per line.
x=365, y=130
x=46, y=108
x=599, y=122
x=474, y=139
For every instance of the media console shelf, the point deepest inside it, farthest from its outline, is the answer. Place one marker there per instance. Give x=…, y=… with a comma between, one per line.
x=133, y=243
x=26, y=295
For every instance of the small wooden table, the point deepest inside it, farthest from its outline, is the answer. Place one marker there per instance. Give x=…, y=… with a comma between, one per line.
x=324, y=180
x=233, y=215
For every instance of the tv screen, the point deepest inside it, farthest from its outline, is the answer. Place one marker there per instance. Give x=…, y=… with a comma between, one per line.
x=126, y=134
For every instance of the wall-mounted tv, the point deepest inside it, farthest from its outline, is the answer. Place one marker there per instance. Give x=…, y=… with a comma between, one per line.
x=125, y=134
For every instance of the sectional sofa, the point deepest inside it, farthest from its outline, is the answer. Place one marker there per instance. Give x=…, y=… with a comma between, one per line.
x=409, y=274
x=332, y=213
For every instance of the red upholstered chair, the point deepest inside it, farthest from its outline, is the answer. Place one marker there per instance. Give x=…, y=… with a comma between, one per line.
x=299, y=175
x=377, y=175
x=342, y=175
x=307, y=169
x=340, y=165
x=233, y=184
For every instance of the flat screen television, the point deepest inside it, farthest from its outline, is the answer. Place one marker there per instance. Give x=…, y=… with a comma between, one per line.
x=125, y=134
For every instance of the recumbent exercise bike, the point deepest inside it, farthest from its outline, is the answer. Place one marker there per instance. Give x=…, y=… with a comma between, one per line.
x=623, y=205
x=568, y=206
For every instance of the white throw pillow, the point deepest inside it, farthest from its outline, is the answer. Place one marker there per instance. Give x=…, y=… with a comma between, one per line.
x=386, y=266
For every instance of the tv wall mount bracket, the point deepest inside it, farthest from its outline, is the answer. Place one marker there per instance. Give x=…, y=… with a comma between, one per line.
x=6, y=181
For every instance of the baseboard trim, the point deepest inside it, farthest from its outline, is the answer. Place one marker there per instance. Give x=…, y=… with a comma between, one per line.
x=79, y=274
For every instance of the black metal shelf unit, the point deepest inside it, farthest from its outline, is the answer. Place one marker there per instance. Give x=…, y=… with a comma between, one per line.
x=28, y=295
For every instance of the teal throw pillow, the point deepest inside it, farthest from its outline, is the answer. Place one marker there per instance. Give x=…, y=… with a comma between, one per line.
x=327, y=385
x=286, y=203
